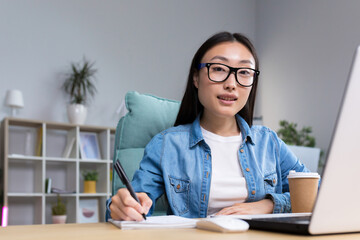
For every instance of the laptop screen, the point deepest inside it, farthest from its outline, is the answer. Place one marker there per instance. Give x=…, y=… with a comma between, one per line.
x=337, y=207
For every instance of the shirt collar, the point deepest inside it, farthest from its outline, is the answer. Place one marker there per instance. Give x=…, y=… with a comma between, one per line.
x=245, y=129
x=196, y=134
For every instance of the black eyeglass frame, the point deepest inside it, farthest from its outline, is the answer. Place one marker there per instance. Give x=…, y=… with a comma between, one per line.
x=232, y=69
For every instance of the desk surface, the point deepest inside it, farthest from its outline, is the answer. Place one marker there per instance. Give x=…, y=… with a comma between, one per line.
x=90, y=231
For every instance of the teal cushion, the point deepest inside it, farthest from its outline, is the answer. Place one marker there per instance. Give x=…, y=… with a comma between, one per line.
x=147, y=116
x=130, y=160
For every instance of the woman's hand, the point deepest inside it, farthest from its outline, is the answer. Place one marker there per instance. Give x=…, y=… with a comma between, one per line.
x=261, y=207
x=124, y=207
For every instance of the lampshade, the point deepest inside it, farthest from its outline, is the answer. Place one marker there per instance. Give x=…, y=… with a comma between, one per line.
x=14, y=99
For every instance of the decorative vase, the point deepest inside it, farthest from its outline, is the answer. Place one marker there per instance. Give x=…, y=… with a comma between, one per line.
x=58, y=219
x=89, y=186
x=77, y=113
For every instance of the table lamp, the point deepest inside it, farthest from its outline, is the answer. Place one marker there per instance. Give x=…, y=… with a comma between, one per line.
x=14, y=100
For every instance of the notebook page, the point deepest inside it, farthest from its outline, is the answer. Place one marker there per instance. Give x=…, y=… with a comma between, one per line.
x=157, y=222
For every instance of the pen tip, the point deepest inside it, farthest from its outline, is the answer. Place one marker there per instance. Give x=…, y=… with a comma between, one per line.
x=144, y=216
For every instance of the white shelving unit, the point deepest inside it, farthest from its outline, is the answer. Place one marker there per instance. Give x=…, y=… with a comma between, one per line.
x=25, y=169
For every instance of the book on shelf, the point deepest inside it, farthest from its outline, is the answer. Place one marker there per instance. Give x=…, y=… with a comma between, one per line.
x=29, y=143
x=70, y=148
x=38, y=147
x=48, y=182
x=58, y=190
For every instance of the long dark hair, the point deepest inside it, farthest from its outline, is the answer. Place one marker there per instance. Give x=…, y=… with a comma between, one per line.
x=190, y=105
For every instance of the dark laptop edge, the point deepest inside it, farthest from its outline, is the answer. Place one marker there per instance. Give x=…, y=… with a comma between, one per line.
x=285, y=227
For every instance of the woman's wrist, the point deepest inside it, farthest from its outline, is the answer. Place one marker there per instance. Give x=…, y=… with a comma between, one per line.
x=268, y=205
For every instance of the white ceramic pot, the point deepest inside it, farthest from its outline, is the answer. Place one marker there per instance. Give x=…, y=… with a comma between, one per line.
x=77, y=113
x=58, y=219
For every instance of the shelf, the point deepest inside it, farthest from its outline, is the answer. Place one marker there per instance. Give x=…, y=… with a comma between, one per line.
x=22, y=157
x=63, y=175
x=25, y=211
x=33, y=151
x=62, y=194
x=55, y=159
x=70, y=203
x=93, y=195
x=55, y=141
x=22, y=140
x=14, y=194
x=101, y=161
x=26, y=172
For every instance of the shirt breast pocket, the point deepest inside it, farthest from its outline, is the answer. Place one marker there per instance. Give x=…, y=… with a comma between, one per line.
x=179, y=192
x=270, y=182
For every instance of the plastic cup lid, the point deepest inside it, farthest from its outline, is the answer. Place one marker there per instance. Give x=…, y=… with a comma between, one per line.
x=294, y=174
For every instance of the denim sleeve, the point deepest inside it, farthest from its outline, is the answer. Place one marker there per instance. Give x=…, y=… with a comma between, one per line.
x=281, y=202
x=148, y=178
x=287, y=162
x=107, y=213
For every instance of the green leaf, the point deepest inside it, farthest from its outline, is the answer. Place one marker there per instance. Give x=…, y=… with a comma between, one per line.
x=79, y=83
x=59, y=208
x=290, y=135
x=90, y=175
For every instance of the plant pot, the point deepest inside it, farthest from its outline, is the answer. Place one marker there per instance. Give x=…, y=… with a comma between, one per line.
x=77, y=113
x=56, y=219
x=89, y=186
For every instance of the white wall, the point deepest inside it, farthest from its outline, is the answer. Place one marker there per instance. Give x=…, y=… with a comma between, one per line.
x=306, y=48
x=137, y=45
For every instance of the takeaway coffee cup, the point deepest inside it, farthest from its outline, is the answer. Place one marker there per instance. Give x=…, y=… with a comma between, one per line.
x=303, y=190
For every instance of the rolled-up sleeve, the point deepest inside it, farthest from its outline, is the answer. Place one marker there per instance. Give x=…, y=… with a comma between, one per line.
x=288, y=161
x=148, y=178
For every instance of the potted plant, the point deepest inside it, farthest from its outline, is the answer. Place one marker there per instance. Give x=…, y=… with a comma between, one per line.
x=301, y=143
x=59, y=211
x=80, y=85
x=90, y=179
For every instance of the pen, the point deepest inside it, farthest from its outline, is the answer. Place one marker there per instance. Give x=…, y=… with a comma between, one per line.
x=124, y=179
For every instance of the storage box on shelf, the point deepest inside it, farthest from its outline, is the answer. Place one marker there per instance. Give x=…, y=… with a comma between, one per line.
x=36, y=151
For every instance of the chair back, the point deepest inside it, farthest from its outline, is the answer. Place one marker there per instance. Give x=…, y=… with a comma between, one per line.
x=147, y=115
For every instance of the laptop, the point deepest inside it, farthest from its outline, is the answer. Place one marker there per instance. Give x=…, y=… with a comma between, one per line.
x=337, y=207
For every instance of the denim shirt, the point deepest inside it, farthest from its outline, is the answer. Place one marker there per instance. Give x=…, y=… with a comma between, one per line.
x=177, y=162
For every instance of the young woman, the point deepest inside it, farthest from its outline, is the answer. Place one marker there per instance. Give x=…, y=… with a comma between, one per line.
x=213, y=161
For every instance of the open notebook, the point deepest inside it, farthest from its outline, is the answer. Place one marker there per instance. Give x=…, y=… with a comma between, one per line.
x=157, y=222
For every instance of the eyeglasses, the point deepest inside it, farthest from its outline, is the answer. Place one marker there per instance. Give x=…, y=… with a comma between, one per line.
x=218, y=72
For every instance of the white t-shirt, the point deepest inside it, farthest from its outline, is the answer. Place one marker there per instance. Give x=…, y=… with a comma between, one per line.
x=228, y=185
